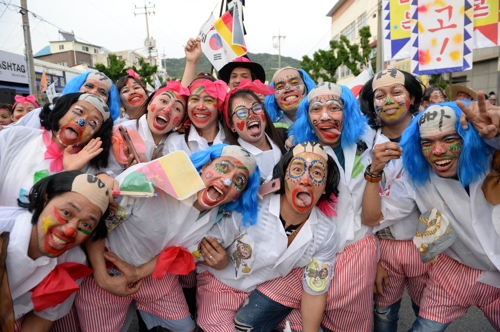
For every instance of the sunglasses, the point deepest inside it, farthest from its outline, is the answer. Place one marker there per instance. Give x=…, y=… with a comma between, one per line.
x=243, y=113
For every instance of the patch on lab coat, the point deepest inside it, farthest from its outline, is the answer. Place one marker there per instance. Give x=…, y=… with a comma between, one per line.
x=316, y=275
x=115, y=219
x=241, y=254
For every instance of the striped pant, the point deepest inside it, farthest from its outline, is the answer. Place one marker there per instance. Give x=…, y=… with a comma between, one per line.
x=401, y=259
x=452, y=288
x=217, y=303
x=350, y=296
x=99, y=310
x=63, y=324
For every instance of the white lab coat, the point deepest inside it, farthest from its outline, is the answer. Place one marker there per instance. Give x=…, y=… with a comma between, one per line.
x=176, y=142
x=266, y=160
x=401, y=228
x=271, y=258
x=25, y=273
x=351, y=190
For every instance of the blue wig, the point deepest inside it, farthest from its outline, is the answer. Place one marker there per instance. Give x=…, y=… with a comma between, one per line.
x=353, y=125
x=473, y=160
x=272, y=106
x=246, y=204
x=76, y=83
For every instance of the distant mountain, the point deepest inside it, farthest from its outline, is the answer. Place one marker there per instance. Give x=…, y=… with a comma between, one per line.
x=175, y=67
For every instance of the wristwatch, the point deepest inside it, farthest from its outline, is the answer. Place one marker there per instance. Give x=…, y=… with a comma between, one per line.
x=372, y=177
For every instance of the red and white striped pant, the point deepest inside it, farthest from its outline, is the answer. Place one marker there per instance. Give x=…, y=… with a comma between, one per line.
x=64, y=324
x=452, y=288
x=99, y=310
x=189, y=280
x=350, y=296
x=401, y=259
x=217, y=303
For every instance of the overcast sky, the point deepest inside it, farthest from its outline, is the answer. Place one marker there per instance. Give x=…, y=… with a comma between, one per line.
x=112, y=24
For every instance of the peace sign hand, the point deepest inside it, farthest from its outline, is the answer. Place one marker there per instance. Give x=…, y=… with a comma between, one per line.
x=482, y=115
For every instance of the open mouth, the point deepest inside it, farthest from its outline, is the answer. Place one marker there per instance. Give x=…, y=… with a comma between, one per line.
x=161, y=121
x=135, y=99
x=290, y=99
x=302, y=199
x=254, y=127
x=56, y=242
x=213, y=195
x=201, y=116
x=443, y=164
x=329, y=130
x=70, y=134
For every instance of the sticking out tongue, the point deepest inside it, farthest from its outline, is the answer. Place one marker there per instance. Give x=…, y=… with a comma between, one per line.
x=332, y=131
x=255, y=129
x=213, y=194
x=305, y=198
x=70, y=134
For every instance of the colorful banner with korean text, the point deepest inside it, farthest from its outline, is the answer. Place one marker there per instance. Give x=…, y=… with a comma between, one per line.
x=397, y=29
x=486, y=23
x=441, y=36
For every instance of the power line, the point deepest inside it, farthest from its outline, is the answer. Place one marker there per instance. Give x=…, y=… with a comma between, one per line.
x=5, y=8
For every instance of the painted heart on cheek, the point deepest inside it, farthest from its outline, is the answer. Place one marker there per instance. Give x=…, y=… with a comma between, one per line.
x=241, y=125
x=152, y=108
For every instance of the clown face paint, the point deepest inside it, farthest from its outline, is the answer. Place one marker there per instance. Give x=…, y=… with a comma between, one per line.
x=65, y=222
x=132, y=95
x=228, y=180
x=79, y=124
x=305, y=181
x=5, y=117
x=392, y=103
x=442, y=151
x=249, y=119
x=326, y=117
x=202, y=109
x=165, y=111
x=21, y=110
x=289, y=90
x=96, y=88
x=436, y=97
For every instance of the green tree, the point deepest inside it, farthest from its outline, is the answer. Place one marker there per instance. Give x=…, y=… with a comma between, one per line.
x=115, y=70
x=145, y=71
x=324, y=63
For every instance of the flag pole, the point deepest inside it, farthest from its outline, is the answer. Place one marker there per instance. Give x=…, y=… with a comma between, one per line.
x=220, y=14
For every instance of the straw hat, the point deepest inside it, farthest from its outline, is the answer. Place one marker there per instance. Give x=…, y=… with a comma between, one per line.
x=456, y=88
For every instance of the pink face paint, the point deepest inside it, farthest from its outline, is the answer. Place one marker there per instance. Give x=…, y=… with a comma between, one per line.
x=176, y=121
x=152, y=108
x=70, y=231
x=17, y=117
x=263, y=117
x=241, y=125
x=407, y=103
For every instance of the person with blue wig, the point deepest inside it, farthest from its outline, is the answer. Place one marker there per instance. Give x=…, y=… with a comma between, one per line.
x=444, y=168
x=290, y=85
x=330, y=115
x=291, y=234
x=161, y=228
x=95, y=83
x=390, y=99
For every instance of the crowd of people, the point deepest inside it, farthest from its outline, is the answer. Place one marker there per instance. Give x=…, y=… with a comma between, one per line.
x=318, y=208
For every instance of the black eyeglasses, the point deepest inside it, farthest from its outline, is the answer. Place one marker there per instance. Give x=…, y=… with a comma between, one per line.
x=243, y=113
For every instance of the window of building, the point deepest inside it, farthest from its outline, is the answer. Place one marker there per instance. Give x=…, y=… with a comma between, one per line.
x=85, y=48
x=344, y=71
x=61, y=47
x=373, y=53
x=96, y=51
x=350, y=31
x=65, y=64
x=362, y=21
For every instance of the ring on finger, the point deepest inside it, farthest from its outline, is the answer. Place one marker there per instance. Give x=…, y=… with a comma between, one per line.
x=210, y=257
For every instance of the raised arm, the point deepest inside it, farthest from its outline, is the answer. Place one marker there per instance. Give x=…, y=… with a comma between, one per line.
x=193, y=55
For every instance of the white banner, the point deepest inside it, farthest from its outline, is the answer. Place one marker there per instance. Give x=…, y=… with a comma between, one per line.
x=13, y=68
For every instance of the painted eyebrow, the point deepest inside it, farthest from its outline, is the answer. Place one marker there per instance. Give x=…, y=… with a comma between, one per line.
x=316, y=103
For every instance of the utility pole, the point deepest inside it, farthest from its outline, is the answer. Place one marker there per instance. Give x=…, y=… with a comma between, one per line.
x=278, y=46
x=380, y=39
x=150, y=43
x=27, y=48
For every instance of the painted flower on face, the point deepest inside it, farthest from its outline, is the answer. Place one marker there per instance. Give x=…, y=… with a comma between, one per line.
x=442, y=151
x=79, y=124
x=392, y=103
x=305, y=181
x=166, y=111
x=224, y=178
x=326, y=116
x=202, y=108
x=65, y=222
x=289, y=90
